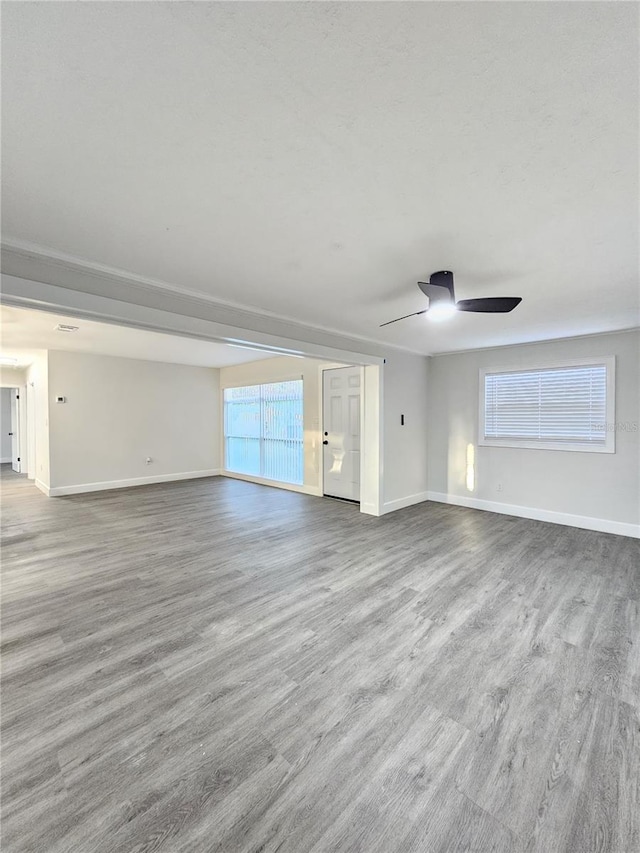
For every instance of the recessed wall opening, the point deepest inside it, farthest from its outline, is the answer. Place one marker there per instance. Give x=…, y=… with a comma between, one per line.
x=115, y=402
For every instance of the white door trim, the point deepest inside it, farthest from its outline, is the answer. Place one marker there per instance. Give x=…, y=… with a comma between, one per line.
x=31, y=430
x=24, y=425
x=372, y=436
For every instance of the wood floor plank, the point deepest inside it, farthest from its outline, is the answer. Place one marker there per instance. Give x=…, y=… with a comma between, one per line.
x=401, y=791
x=219, y=666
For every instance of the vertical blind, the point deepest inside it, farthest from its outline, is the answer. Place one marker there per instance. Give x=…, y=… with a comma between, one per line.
x=263, y=432
x=566, y=404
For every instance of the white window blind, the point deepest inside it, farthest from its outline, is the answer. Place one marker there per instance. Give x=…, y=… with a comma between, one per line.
x=263, y=431
x=552, y=406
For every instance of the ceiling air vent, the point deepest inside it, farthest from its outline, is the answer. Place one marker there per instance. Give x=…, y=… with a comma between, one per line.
x=63, y=327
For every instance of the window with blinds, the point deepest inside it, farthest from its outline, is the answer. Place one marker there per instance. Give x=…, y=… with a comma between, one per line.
x=567, y=407
x=263, y=431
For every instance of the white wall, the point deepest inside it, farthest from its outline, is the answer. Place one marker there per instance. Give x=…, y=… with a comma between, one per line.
x=37, y=379
x=405, y=379
x=118, y=411
x=5, y=424
x=283, y=369
x=594, y=490
x=11, y=377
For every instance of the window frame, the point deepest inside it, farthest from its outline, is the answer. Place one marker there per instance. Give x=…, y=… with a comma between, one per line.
x=609, y=362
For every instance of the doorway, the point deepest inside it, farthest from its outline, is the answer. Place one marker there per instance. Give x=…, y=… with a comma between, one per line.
x=14, y=432
x=13, y=428
x=6, y=449
x=341, y=427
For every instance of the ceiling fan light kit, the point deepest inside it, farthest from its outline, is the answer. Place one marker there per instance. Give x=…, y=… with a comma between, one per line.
x=442, y=302
x=439, y=311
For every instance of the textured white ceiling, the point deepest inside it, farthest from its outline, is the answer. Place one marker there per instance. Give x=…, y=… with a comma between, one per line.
x=316, y=159
x=23, y=332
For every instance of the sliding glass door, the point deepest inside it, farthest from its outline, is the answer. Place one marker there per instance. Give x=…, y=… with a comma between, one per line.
x=263, y=432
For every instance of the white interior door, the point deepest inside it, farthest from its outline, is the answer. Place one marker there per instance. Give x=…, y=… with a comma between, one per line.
x=341, y=432
x=15, y=430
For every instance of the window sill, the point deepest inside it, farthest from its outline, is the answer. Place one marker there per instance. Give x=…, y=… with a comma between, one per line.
x=549, y=445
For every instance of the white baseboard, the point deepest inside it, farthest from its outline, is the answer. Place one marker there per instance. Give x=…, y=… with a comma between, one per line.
x=5, y=459
x=401, y=503
x=602, y=525
x=262, y=481
x=42, y=486
x=80, y=488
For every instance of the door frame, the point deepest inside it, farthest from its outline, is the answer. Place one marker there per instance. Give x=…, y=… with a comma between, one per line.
x=30, y=409
x=370, y=435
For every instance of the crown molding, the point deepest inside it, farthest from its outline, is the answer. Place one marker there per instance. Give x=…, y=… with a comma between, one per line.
x=23, y=259
x=539, y=341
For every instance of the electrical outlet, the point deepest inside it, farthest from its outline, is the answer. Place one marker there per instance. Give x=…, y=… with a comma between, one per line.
x=498, y=487
x=148, y=460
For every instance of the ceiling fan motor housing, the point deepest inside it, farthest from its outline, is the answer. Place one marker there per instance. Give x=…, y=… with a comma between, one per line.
x=444, y=278
x=440, y=287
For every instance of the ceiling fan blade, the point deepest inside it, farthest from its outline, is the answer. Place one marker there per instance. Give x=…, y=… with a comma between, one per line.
x=439, y=288
x=490, y=304
x=415, y=314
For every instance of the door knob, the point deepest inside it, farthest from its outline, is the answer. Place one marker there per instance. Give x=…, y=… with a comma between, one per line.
x=325, y=442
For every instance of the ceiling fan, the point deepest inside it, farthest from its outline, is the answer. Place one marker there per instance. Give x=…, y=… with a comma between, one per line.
x=442, y=302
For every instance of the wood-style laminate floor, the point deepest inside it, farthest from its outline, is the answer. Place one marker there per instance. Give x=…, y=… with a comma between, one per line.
x=219, y=666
